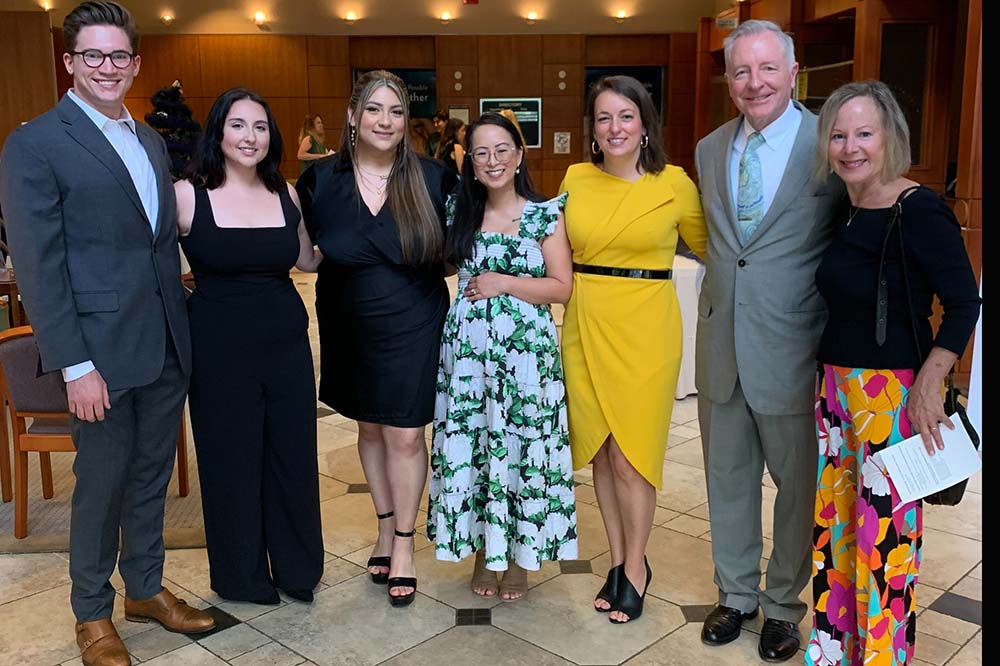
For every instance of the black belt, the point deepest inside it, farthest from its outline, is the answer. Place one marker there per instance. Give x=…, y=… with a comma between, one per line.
x=643, y=273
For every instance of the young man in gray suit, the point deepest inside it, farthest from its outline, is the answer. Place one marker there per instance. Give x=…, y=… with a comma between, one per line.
x=759, y=323
x=91, y=217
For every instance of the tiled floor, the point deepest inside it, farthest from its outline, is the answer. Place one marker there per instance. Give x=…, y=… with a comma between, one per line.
x=351, y=624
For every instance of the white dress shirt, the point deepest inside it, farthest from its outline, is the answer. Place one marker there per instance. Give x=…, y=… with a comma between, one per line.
x=779, y=137
x=121, y=134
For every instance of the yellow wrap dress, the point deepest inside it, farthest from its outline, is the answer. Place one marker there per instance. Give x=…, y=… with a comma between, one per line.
x=621, y=337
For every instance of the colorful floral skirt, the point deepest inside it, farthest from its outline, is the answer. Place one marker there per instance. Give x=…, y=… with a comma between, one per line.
x=866, y=545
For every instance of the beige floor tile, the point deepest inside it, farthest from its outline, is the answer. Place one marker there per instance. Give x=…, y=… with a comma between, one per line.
x=584, y=475
x=682, y=568
x=189, y=655
x=329, y=437
x=977, y=573
x=932, y=649
x=683, y=488
x=926, y=594
x=39, y=629
x=586, y=494
x=234, y=641
x=946, y=627
x=271, y=654
x=686, y=411
x=662, y=515
x=975, y=484
x=558, y=616
x=971, y=653
x=947, y=557
x=700, y=511
x=688, y=453
x=768, y=496
x=969, y=587
x=682, y=433
x=188, y=568
x=338, y=570
x=330, y=488
x=349, y=522
x=367, y=629
x=965, y=520
x=476, y=645
x=349, y=425
x=245, y=610
x=448, y=582
x=151, y=644
x=688, y=525
x=343, y=464
x=590, y=528
x=684, y=648
x=24, y=575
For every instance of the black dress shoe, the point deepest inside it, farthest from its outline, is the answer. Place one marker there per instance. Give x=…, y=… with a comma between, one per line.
x=301, y=595
x=269, y=600
x=723, y=625
x=779, y=640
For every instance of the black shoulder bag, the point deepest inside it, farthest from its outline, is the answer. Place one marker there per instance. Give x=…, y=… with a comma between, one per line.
x=952, y=495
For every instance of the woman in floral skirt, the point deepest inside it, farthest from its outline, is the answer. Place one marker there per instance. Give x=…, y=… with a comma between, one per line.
x=501, y=481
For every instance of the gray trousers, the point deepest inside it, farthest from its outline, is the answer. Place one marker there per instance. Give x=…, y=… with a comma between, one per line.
x=123, y=465
x=737, y=442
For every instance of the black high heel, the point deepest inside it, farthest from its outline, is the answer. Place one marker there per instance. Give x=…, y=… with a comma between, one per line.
x=381, y=560
x=629, y=601
x=609, y=592
x=397, y=581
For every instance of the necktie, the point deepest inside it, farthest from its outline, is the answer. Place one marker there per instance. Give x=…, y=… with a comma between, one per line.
x=750, y=199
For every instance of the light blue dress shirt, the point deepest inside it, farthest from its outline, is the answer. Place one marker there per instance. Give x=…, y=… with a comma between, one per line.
x=121, y=134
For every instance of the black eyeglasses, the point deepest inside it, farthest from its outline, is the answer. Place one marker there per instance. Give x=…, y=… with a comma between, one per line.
x=94, y=58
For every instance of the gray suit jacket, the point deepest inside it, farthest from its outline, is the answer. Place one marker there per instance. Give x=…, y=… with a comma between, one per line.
x=96, y=283
x=759, y=314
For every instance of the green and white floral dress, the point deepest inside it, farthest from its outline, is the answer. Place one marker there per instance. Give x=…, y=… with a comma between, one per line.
x=501, y=469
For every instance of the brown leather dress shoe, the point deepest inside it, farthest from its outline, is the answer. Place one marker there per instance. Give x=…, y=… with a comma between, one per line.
x=173, y=613
x=100, y=644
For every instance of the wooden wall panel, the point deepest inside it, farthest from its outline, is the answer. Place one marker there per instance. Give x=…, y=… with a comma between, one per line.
x=562, y=111
x=166, y=58
x=779, y=11
x=466, y=76
x=609, y=50
x=28, y=85
x=510, y=66
x=327, y=50
x=563, y=48
x=456, y=50
x=572, y=78
x=410, y=52
x=334, y=113
x=330, y=81
x=272, y=65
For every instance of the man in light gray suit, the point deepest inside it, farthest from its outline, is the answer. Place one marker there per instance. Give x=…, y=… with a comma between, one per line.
x=759, y=322
x=91, y=217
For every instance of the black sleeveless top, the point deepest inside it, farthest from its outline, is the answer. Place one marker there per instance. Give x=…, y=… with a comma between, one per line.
x=240, y=263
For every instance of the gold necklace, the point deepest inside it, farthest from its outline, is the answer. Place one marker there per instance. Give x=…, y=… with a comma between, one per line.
x=373, y=173
x=379, y=190
x=854, y=211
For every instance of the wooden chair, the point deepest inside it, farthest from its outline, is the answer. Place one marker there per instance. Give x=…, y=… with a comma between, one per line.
x=43, y=400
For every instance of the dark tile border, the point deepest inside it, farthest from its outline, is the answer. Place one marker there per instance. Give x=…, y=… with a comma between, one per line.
x=696, y=613
x=357, y=488
x=575, y=567
x=223, y=621
x=323, y=411
x=473, y=616
x=959, y=607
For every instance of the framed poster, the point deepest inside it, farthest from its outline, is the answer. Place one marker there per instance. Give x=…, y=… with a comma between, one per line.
x=527, y=110
x=561, y=143
x=650, y=77
x=460, y=112
x=421, y=85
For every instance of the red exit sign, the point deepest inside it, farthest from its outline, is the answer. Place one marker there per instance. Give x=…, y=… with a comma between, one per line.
x=470, y=2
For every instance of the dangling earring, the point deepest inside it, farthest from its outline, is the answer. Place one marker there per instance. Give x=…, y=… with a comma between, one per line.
x=354, y=136
x=644, y=141
x=595, y=147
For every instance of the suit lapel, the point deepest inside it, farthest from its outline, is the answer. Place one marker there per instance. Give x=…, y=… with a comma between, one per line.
x=797, y=172
x=725, y=183
x=86, y=133
x=161, y=179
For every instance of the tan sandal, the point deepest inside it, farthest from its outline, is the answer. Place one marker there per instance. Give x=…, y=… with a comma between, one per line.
x=482, y=578
x=514, y=583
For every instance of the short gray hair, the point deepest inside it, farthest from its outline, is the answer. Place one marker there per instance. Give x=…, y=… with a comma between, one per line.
x=758, y=27
x=896, y=131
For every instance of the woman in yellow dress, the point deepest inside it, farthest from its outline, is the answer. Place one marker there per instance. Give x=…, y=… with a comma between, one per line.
x=622, y=328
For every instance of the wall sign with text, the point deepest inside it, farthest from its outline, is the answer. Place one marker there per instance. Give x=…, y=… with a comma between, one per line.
x=527, y=110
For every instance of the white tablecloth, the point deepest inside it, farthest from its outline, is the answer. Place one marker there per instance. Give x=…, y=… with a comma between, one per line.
x=688, y=275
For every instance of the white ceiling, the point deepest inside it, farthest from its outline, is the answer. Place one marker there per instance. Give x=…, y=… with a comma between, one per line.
x=404, y=17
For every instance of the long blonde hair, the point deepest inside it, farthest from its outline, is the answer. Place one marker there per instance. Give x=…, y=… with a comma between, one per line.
x=420, y=234
x=309, y=128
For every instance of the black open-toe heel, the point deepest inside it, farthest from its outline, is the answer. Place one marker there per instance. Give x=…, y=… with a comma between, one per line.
x=380, y=560
x=609, y=592
x=629, y=601
x=397, y=581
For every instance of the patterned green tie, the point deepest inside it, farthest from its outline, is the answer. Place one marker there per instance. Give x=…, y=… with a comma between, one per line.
x=750, y=199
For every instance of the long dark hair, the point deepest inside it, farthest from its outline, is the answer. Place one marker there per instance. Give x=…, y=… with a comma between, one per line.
x=208, y=165
x=449, y=137
x=652, y=158
x=417, y=222
x=470, y=206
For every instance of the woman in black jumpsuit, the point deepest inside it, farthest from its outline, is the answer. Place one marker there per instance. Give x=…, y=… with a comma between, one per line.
x=376, y=211
x=252, y=396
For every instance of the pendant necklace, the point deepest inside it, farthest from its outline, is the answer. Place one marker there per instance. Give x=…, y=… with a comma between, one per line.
x=854, y=211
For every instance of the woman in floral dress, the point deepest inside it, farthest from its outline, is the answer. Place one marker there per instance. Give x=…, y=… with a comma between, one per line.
x=501, y=481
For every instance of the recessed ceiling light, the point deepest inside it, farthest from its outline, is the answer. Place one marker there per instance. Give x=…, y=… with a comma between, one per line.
x=260, y=18
x=445, y=17
x=167, y=18
x=350, y=18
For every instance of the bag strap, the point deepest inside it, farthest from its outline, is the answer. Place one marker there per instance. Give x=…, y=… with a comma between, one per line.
x=882, y=305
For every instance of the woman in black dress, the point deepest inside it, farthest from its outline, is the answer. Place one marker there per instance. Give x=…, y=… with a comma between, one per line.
x=376, y=211
x=451, y=150
x=252, y=397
